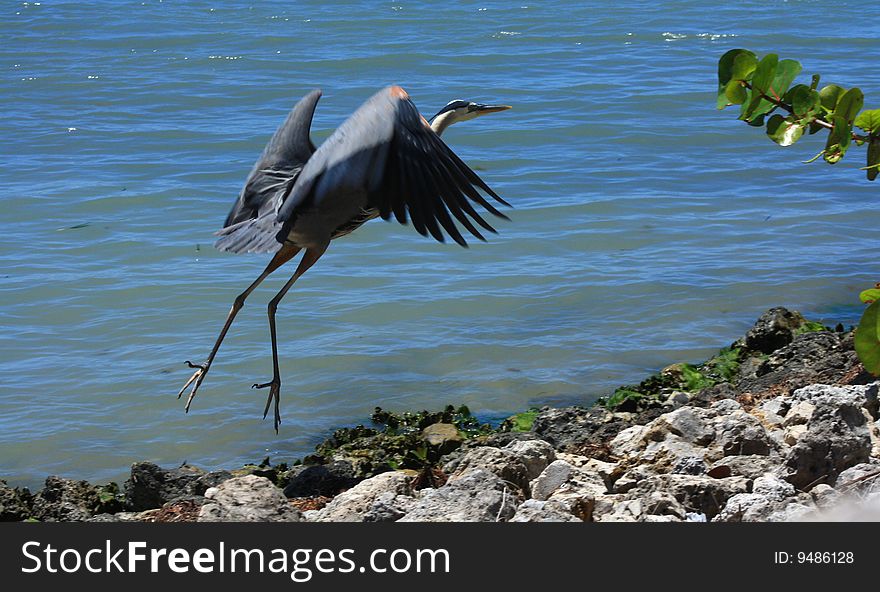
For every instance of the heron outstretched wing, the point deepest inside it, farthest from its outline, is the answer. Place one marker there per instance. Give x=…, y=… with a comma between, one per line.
x=276, y=169
x=387, y=151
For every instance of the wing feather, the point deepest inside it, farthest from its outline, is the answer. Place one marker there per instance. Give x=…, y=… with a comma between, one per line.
x=270, y=182
x=427, y=180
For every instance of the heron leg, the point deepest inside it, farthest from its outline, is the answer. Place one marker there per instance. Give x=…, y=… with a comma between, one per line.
x=310, y=257
x=285, y=254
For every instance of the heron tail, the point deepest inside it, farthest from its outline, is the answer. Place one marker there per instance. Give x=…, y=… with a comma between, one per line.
x=256, y=235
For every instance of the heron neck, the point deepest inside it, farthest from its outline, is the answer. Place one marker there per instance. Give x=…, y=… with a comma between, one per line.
x=441, y=122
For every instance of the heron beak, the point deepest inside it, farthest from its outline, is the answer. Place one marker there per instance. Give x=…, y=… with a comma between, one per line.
x=483, y=109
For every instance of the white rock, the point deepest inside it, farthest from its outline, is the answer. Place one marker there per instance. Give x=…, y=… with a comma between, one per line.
x=535, y=455
x=792, y=434
x=799, y=414
x=351, y=505
x=247, y=499
x=550, y=479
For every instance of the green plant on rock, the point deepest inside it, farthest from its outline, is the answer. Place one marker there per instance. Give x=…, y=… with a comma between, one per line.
x=763, y=89
x=521, y=422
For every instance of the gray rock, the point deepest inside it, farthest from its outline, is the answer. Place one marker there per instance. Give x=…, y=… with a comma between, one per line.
x=476, y=495
x=320, y=480
x=65, y=500
x=772, y=487
x=534, y=454
x=443, y=436
x=389, y=507
x=247, y=499
x=690, y=424
x=663, y=503
x=811, y=358
x=751, y=466
x=15, y=503
x=700, y=494
x=799, y=413
x=767, y=502
x=725, y=406
x=775, y=328
x=741, y=433
x=151, y=486
x=777, y=406
x=551, y=479
x=836, y=439
x=500, y=461
x=689, y=465
x=857, y=395
x=863, y=478
x=352, y=505
x=543, y=511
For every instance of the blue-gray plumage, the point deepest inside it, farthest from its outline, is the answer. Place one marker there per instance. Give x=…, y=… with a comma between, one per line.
x=386, y=160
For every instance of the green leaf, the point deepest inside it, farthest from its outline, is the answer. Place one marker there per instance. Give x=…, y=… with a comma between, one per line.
x=838, y=139
x=784, y=73
x=735, y=93
x=870, y=295
x=814, y=83
x=805, y=102
x=725, y=72
x=744, y=65
x=868, y=120
x=830, y=95
x=866, y=342
x=849, y=105
x=784, y=130
x=762, y=80
x=873, y=157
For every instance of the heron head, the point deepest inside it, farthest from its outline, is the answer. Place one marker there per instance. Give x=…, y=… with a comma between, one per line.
x=460, y=110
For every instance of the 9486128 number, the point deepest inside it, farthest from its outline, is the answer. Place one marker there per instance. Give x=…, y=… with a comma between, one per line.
x=825, y=557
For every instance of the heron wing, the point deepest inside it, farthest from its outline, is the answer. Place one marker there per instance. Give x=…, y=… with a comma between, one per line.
x=388, y=152
x=282, y=159
x=427, y=181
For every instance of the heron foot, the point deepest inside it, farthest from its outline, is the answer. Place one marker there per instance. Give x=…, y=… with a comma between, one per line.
x=274, y=387
x=195, y=380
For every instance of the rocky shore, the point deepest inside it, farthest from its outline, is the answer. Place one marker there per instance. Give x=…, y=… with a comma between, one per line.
x=781, y=425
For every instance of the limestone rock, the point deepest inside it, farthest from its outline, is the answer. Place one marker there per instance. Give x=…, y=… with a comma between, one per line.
x=320, y=480
x=500, y=461
x=699, y=494
x=443, y=436
x=534, y=454
x=389, y=507
x=475, y=495
x=65, y=500
x=836, y=439
x=543, y=511
x=247, y=499
x=15, y=503
x=352, y=505
x=774, y=329
x=151, y=486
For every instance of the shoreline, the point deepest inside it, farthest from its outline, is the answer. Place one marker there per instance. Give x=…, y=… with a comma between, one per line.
x=780, y=425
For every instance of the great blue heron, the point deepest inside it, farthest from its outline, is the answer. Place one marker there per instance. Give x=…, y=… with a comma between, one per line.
x=385, y=160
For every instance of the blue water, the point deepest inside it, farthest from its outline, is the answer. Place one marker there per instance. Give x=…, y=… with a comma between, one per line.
x=648, y=227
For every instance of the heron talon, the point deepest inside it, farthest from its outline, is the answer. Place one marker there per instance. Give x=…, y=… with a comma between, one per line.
x=195, y=380
x=274, y=386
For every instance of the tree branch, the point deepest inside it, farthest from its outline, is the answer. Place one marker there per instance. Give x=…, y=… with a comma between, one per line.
x=818, y=121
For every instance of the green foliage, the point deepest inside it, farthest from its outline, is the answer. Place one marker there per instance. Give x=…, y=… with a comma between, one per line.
x=625, y=399
x=396, y=441
x=521, y=422
x=810, y=327
x=763, y=87
x=867, y=339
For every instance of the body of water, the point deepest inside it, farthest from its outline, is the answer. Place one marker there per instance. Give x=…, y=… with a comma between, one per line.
x=648, y=227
